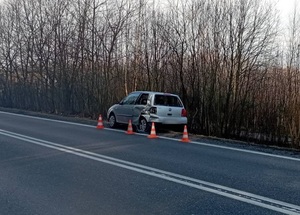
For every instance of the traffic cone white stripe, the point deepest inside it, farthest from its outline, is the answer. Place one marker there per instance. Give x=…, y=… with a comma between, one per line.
x=153, y=132
x=129, y=130
x=185, y=137
x=100, y=123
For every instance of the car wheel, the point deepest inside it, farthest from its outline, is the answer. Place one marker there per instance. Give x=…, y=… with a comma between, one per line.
x=144, y=125
x=112, y=120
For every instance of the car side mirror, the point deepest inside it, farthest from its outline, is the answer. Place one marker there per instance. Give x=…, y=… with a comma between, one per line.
x=121, y=103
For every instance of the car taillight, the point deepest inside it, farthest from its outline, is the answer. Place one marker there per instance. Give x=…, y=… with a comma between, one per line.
x=183, y=113
x=153, y=110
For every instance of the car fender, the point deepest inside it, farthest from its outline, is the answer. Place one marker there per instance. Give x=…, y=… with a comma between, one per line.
x=110, y=110
x=136, y=113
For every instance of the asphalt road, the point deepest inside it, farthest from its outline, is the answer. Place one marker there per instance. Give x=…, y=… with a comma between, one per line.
x=57, y=167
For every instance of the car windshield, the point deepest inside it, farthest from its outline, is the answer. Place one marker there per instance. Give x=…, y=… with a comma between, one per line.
x=167, y=100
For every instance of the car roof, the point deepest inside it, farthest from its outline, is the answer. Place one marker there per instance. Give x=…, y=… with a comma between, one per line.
x=153, y=92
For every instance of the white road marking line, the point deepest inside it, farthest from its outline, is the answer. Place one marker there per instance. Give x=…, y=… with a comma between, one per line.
x=239, y=195
x=161, y=137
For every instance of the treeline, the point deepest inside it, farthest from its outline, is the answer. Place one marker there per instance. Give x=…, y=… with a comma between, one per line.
x=224, y=58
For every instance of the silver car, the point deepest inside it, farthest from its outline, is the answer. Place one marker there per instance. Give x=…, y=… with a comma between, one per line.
x=145, y=107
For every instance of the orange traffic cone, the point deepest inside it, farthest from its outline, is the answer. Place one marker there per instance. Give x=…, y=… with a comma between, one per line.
x=153, y=132
x=129, y=130
x=100, y=123
x=185, y=137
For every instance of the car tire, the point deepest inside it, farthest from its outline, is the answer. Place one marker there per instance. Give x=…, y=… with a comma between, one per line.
x=143, y=126
x=112, y=120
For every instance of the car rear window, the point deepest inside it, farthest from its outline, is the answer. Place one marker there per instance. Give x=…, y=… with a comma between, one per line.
x=167, y=100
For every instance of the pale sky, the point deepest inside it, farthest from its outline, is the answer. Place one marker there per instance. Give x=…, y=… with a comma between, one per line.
x=286, y=7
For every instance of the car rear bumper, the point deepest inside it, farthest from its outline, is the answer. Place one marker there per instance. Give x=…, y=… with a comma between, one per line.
x=166, y=120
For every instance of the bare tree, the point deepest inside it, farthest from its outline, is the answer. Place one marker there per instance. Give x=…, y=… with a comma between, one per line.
x=293, y=78
x=81, y=56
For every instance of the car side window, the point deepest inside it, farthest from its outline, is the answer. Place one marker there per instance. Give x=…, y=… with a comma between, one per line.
x=130, y=100
x=143, y=99
x=159, y=100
